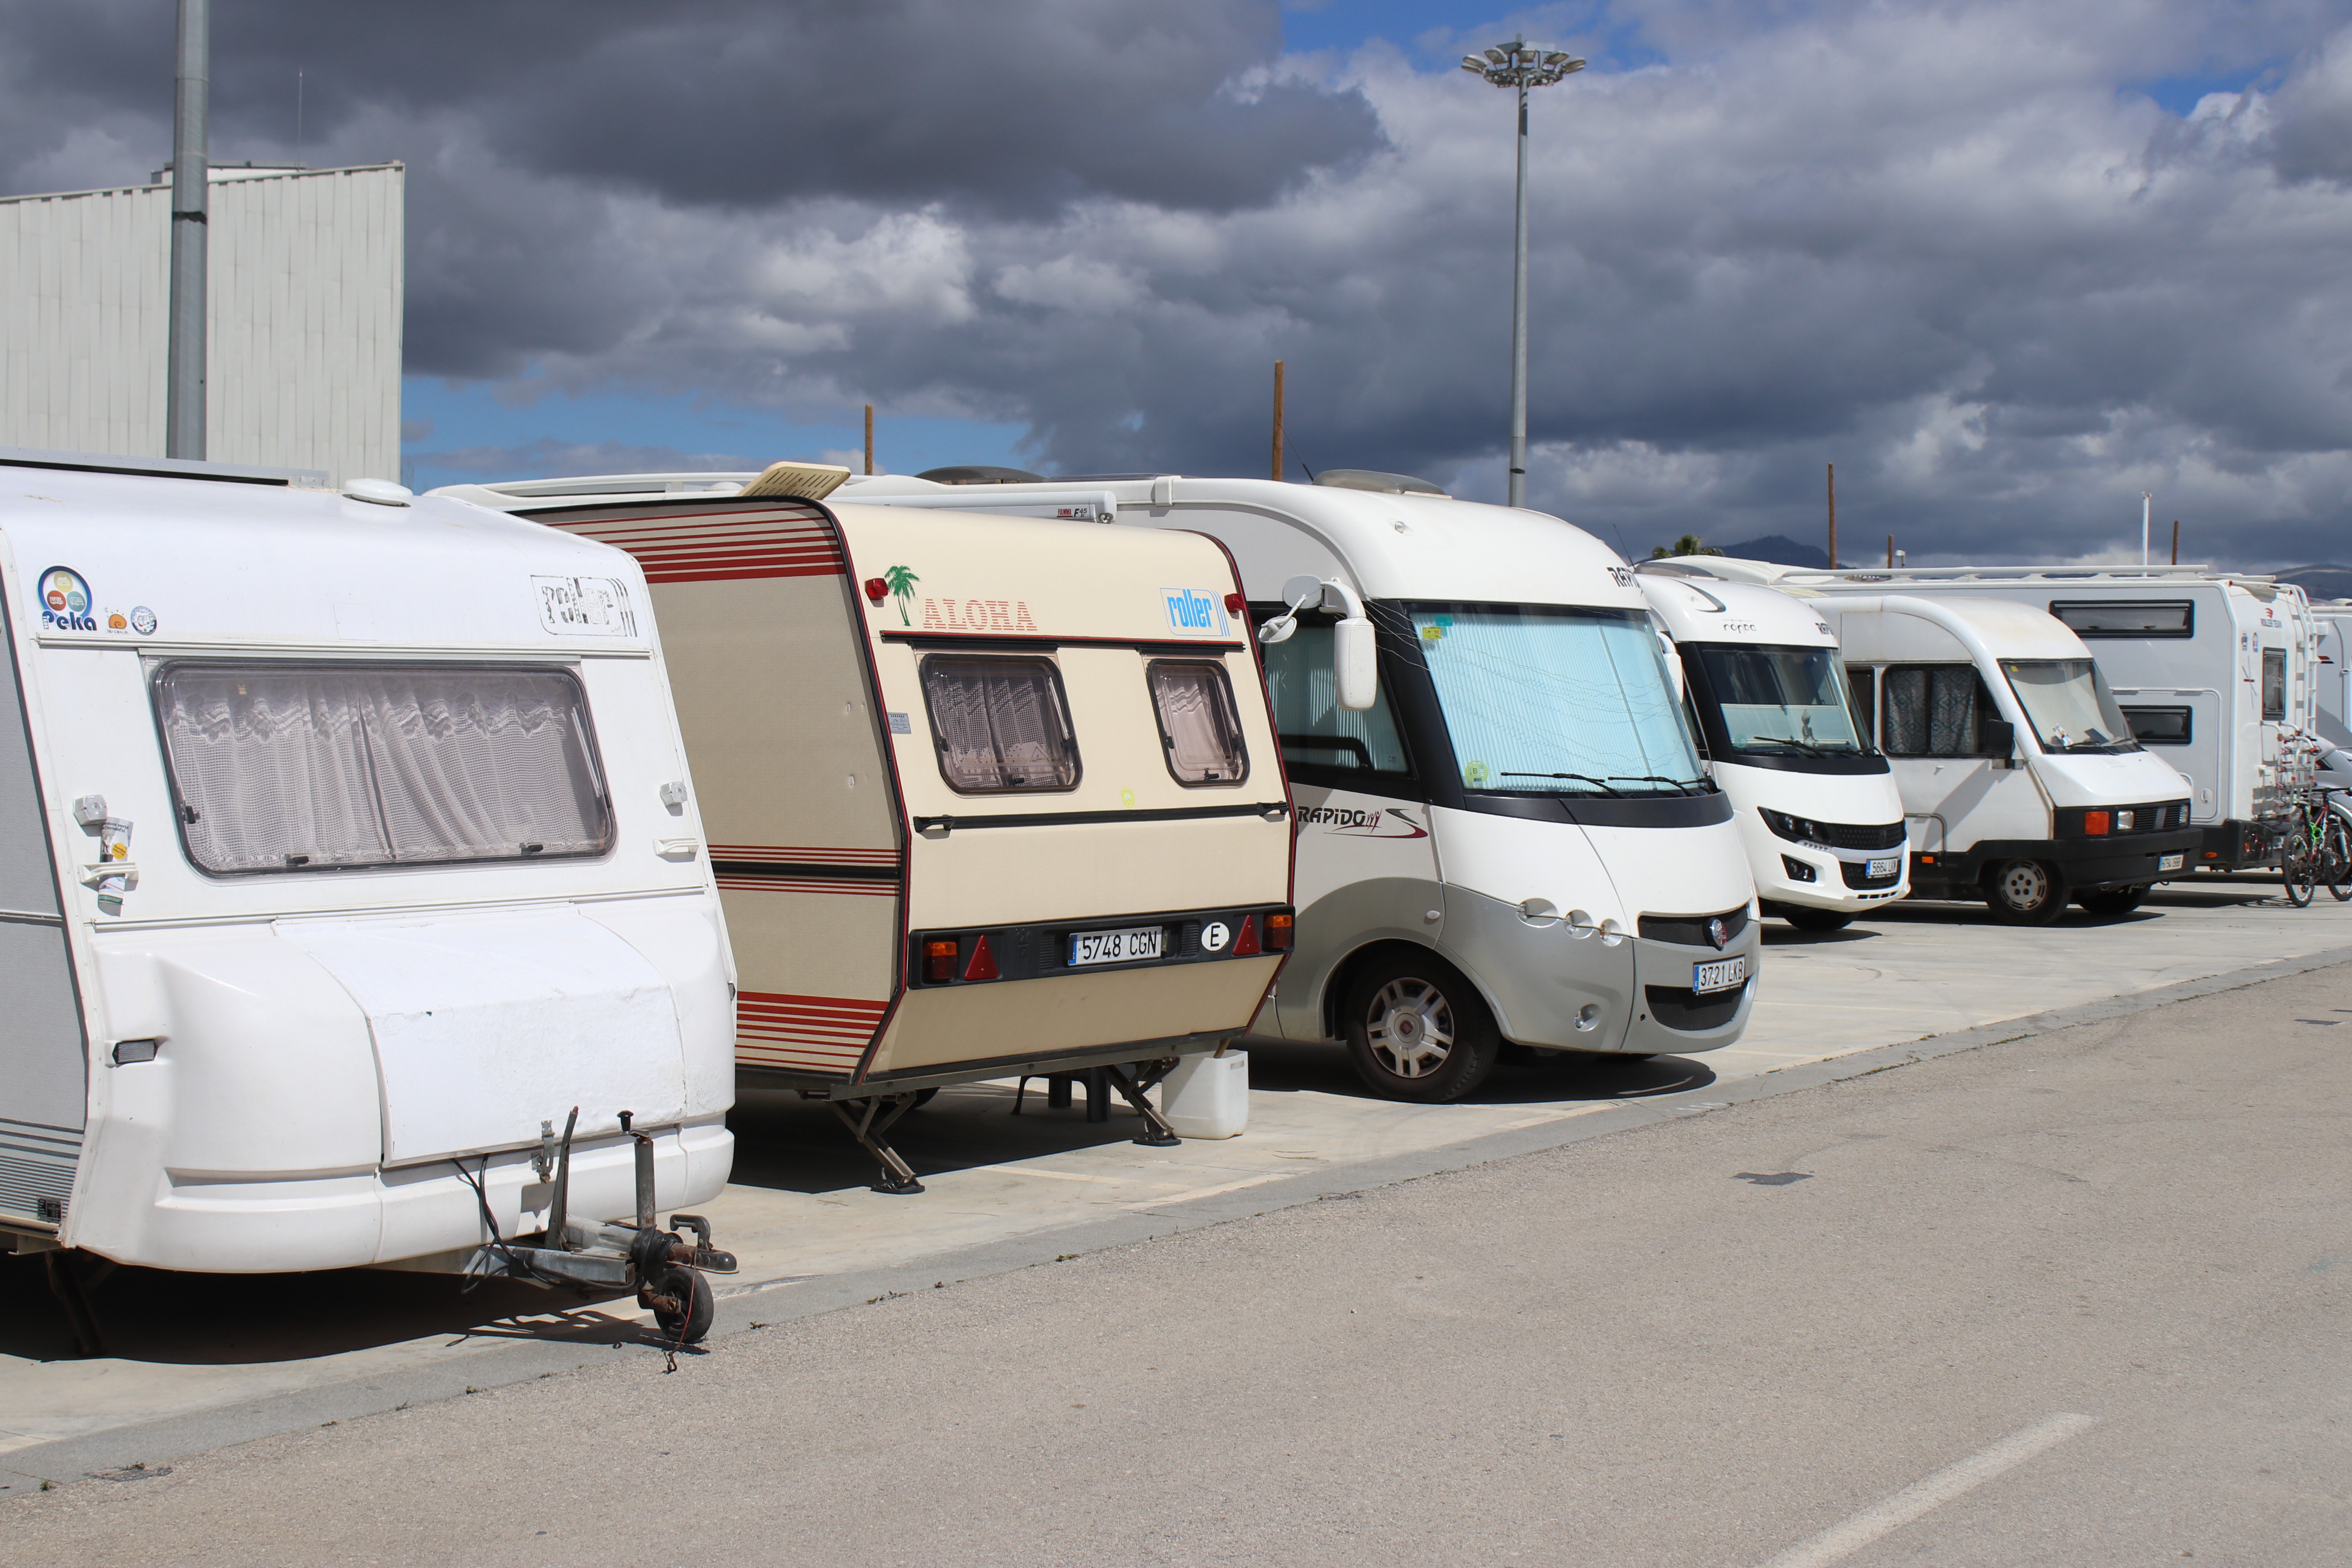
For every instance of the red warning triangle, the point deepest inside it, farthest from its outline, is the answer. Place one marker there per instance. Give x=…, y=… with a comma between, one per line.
x=1247, y=943
x=982, y=965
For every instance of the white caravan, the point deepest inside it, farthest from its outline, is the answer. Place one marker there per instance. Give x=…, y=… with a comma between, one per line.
x=2331, y=675
x=1815, y=800
x=1505, y=835
x=346, y=847
x=2209, y=668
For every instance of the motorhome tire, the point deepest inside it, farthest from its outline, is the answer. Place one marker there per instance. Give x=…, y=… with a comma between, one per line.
x=2113, y=901
x=1815, y=919
x=1417, y=1030
x=690, y=1288
x=2026, y=893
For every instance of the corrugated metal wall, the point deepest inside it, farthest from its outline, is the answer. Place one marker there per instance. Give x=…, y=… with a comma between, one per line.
x=306, y=288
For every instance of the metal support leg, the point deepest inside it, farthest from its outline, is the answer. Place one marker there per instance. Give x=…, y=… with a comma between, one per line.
x=1098, y=1094
x=66, y=1286
x=1057, y=1091
x=867, y=1123
x=1132, y=1079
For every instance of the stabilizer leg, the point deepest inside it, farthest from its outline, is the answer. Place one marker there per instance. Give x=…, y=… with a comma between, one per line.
x=1131, y=1078
x=867, y=1119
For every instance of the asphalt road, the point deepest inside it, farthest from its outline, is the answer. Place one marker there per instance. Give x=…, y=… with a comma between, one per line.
x=2079, y=1299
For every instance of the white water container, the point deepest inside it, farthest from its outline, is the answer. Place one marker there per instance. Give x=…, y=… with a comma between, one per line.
x=1207, y=1095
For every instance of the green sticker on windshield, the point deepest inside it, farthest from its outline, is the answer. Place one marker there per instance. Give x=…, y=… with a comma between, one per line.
x=1476, y=775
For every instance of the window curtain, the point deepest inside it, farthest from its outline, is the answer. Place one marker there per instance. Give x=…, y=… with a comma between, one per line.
x=1000, y=724
x=1933, y=711
x=283, y=767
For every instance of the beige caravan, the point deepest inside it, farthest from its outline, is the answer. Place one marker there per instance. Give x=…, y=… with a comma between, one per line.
x=985, y=795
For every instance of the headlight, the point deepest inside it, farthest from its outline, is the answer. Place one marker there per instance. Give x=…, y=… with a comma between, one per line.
x=1795, y=829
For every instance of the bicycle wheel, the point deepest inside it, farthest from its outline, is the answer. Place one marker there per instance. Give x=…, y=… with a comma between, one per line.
x=2298, y=859
x=2338, y=850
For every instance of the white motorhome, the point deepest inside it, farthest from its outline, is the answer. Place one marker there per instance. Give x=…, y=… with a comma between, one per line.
x=2021, y=781
x=346, y=846
x=1505, y=838
x=2208, y=667
x=988, y=796
x=1780, y=732
x=2331, y=674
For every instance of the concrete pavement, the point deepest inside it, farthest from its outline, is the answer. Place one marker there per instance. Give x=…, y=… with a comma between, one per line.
x=1724, y=1339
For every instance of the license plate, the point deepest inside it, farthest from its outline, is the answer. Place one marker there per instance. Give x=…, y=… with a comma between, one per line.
x=2172, y=862
x=1117, y=946
x=1882, y=868
x=1721, y=975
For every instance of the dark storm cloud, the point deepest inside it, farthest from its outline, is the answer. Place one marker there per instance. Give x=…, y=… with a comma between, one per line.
x=1947, y=247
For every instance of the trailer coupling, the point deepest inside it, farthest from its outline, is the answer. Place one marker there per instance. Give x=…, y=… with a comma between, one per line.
x=667, y=1271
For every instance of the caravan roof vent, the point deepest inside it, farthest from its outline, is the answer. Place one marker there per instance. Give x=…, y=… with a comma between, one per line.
x=1372, y=479
x=807, y=481
x=981, y=474
x=379, y=492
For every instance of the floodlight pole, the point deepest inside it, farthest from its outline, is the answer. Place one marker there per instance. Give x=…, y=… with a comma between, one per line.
x=183, y=400
x=1521, y=64
x=2145, y=501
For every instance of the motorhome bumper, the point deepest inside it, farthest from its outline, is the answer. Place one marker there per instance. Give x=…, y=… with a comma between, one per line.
x=2087, y=865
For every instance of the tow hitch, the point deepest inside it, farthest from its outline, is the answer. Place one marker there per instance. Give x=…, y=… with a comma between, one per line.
x=669, y=1272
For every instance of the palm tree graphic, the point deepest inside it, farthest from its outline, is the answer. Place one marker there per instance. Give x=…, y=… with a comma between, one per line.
x=901, y=584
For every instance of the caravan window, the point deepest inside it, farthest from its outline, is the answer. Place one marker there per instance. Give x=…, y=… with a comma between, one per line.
x=339, y=767
x=2273, y=683
x=1002, y=724
x=2091, y=618
x=1932, y=710
x=1200, y=728
x=1323, y=743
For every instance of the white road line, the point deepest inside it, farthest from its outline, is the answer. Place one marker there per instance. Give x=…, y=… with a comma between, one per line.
x=1844, y=1540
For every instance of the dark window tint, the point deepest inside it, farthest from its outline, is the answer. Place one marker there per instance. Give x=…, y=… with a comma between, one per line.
x=2273, y=683
x=1932, y=710
x=2127, y=617
x=279, y=767
x=1200, y=728
x=2158, y=726
x=1002, y=724
x=1863, y=693
x=1317, y=733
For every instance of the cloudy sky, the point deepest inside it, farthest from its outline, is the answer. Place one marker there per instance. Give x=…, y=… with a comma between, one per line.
x=2007, y=264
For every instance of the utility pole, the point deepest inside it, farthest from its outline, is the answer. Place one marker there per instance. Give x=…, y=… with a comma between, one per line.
x=1832, y=517
x=1277, y=422
x=1521, y=64
x=869, y=439
x=183, y=396
x=1890, y=553
x=2176, y=541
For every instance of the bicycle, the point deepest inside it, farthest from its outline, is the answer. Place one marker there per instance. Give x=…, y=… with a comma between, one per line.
x=2315, y=844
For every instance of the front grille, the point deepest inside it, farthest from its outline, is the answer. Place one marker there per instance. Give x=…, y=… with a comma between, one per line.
x=1690, y=931
x=1678, y=1007
x=2154, y=817
x=1888, y=836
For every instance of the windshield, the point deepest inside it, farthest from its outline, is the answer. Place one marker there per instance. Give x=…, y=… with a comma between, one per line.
x=1556, y=701
x=2067, y=702
x=1781, y=701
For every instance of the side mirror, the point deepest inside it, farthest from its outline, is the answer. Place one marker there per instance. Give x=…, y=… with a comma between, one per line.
x=1999, y=738
x=1354, y=665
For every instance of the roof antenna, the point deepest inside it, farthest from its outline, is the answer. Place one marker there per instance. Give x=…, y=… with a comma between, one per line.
x=1302, y=463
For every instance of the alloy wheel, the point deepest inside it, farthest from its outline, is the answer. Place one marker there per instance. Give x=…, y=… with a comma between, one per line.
x=1410, y=1027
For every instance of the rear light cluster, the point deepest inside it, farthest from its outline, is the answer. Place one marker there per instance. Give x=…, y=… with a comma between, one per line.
x=948, y=959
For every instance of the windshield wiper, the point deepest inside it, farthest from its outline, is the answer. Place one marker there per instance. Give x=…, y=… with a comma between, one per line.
x=1807, y=746
x=1699, y=784
x=1602, y=784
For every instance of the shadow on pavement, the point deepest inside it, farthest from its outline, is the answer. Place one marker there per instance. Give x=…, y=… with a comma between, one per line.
x=157, y=1316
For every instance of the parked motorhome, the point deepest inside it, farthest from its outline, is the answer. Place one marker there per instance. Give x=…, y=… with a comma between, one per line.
x=2209, y=668
x=987, y=796
x=2022, y=783
x=1505, y=835
x=1781, y=735
x=2331, y=675
x=348, y=847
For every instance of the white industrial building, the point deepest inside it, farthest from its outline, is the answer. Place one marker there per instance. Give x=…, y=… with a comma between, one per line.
x=304, y=327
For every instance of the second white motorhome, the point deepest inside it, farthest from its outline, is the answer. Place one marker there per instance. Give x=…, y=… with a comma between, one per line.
x=1505, y=835
x=1816, y=799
